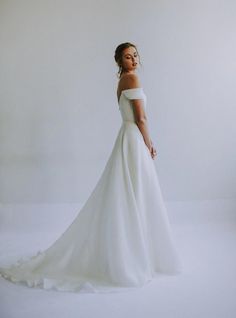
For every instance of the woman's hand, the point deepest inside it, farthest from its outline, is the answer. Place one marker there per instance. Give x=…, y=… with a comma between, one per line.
x=152, y=150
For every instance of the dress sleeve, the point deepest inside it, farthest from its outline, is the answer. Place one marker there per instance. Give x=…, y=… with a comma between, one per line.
x=134, y=93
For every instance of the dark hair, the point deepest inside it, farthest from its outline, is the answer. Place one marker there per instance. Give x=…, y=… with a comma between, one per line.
x=118, y=54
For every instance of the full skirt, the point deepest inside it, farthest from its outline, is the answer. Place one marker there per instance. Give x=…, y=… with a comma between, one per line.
x=121, y=237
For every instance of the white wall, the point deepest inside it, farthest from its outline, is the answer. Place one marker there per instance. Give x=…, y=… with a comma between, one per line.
x=59, y=117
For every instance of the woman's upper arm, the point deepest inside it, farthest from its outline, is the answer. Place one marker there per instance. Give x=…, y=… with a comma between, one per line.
x=139, y=112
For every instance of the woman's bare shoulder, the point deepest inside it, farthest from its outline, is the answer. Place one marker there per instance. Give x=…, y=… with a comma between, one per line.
x=129, y=81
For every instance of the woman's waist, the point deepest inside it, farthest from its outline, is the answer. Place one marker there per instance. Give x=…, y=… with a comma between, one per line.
x=129, y=124
x=128, y=121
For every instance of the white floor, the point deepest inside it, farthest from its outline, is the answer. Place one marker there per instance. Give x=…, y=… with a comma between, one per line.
x=206, y=288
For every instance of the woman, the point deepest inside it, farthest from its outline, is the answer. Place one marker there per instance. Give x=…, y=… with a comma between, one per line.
x=127, y=58
x=121, y=237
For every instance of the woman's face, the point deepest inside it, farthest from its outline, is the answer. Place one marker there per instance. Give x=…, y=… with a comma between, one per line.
x=130, y=59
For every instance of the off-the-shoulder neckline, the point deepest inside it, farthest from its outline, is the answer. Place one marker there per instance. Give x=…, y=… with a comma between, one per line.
x=128, y=89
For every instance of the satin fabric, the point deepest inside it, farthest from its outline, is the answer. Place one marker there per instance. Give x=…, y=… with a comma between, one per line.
x=121, y=238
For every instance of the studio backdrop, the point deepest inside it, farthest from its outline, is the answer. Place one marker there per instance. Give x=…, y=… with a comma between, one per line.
x=59, y=115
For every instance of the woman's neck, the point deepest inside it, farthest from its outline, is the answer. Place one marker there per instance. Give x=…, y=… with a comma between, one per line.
x=127, y=72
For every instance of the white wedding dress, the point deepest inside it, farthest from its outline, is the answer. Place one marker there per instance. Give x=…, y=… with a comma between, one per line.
x=121, y=237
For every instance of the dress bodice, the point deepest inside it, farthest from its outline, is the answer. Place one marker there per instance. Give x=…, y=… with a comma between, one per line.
x=125, y=105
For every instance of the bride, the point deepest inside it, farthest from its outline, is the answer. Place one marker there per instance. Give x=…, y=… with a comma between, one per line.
x=121, y=238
